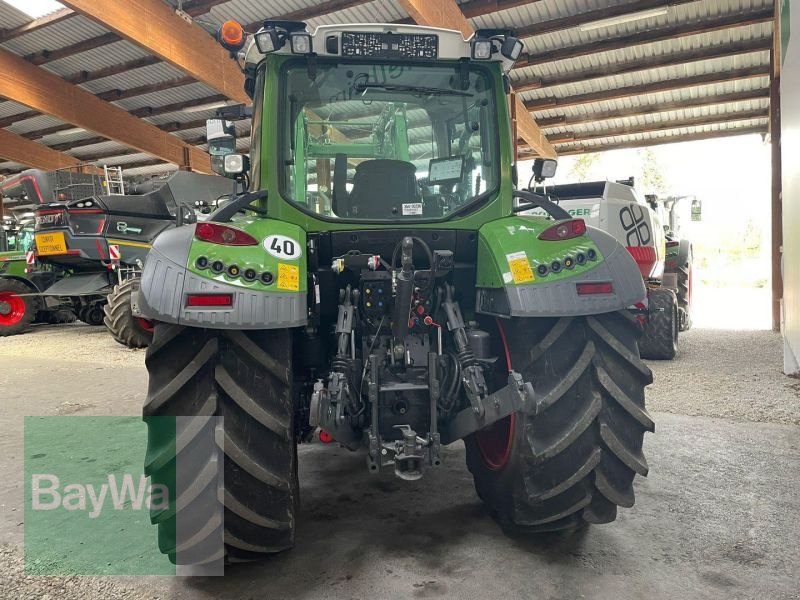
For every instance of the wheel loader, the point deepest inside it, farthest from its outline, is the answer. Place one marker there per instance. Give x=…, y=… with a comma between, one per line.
x=372, y=284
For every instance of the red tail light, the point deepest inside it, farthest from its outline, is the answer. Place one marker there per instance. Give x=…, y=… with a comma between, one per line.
x=645, y=257
x=223, y=234
x=325, y=437
x=589, y=289
x=564, y=230
x=209, y=300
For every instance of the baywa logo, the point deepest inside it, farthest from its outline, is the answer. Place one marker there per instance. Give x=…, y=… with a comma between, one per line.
x=123, y=493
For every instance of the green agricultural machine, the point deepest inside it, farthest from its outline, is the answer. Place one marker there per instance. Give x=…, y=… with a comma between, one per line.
x=374, y=284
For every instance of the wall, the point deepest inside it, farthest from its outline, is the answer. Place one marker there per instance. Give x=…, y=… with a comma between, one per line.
x=790, y=152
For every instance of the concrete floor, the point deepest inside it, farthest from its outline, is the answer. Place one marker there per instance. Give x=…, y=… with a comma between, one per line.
x=716, y=518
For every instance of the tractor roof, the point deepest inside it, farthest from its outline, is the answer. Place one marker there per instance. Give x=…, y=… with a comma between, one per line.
x=372, y=41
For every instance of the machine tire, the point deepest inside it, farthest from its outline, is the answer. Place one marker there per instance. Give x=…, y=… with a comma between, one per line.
x=21, y=306
x=660, y=338
x=571, y=459
x=684, y=294
x=124, y=327
x=92, y=314
x=246, y=378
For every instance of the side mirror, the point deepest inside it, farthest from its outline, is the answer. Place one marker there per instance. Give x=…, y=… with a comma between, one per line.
x=221, y=137
x=697, y=210
x=544, y=168
x=232, y=166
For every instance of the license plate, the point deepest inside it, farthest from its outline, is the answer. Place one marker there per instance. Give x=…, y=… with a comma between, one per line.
x=51, y=243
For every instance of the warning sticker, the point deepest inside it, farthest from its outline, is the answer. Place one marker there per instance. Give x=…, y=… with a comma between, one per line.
x=520, y=267
x=414, y=208
x=288, y=277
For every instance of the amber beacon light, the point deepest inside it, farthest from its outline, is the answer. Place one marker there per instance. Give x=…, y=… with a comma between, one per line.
x=231, y=35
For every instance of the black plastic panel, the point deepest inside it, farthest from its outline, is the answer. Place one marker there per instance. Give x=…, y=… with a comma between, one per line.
x=390, y=45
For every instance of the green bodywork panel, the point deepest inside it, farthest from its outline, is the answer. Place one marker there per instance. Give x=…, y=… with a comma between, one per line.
x=501, y=245
x=256, y=257
x=13, y=263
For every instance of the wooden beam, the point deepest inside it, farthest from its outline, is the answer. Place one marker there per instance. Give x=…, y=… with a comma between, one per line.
x=447, y=14
x=86, y=76
x=667, y=125
x=145, y=111
x=38, y=156
x=109, y=96
x=670, y=32
x=648, y=88
x=438, y=13
x=637, y=111
x=674, y=139
x=153, y=25
x=615, y=10
x=48, y=93
x=674, y=59
x=478, y=8
x=45, y=56
x=35, y=25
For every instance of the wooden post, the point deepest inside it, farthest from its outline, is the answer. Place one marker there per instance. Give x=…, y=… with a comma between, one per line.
x=777, y=195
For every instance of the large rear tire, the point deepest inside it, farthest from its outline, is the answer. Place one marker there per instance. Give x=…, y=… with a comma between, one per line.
x=18, y=307
x=660, y=337
x=127, y=329
x=246, y=378
x=685, y=285
x=572, y=460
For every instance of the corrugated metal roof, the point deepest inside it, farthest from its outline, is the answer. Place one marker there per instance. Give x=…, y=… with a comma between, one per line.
x=55, y=36
x=11, y=17
x=97, y=58
x=76, y=29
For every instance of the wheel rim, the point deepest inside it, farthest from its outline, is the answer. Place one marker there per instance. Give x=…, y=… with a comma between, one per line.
x=145, y=324
x=495, y=442
x=12, y=308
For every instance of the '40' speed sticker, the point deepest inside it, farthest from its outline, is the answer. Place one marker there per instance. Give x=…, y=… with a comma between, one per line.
x=284, y=247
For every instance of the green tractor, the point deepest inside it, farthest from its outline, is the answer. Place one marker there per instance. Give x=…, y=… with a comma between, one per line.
x=374, y=284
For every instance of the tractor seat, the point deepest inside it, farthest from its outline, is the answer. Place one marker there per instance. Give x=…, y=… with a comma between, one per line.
x=381, y=187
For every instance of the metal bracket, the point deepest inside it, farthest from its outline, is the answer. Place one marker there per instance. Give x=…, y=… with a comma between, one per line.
x=184, y=15
x=517, y=395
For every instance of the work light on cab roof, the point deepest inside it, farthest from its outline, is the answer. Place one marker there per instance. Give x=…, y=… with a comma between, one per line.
x=369, y=41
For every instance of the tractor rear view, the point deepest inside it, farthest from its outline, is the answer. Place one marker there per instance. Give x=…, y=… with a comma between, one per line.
x=373, y=283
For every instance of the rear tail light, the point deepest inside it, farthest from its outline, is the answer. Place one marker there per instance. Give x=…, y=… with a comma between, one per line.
x=645, y=257
x=590, y=289
x=209, y=300
x=564, y=230
x=223, y=234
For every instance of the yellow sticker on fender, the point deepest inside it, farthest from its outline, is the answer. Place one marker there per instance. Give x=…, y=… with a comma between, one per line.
x=520, y=267
x=288, y=277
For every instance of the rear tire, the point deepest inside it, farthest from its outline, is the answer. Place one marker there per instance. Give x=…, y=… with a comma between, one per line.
x=572, y=460
x=92, y=314
x=245, y=377
x=660, y=337
x=124, y=327
x=18, y=307
x=685, y=284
